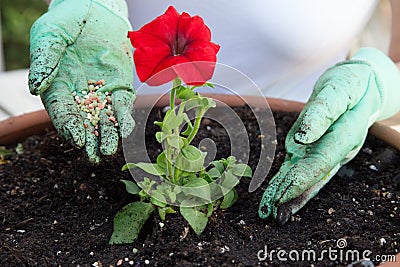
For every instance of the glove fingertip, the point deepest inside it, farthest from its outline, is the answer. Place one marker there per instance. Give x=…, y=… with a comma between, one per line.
x=108, y=135
x=43, y=69
x=127, y=126
x=94, y=159
x=109, y=147
x=265, y=208
x=37, y=85
x=79, y=140
x=284, y=212
x=76, y=133
x=264, y=211
x=91, y=152
x=302, y=137
x=307, y=134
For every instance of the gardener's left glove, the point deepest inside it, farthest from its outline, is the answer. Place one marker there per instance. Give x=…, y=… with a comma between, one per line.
x=347, y=99
x=77, y=41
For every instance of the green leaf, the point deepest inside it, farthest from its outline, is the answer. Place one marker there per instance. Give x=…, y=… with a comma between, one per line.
x=230, y=162
x=189, y=129
x=220, y=166
x=166, y=129
x=172, y=196
x=159, y=136
x=175, y=141
x=166, y=190
x=131, y=187
x=242, y=170
x=19, y=149
x=143, y=195
x=196, y=219
x=189, y=125
x=128, y=166
x=209, y=85
x=199, y=101
x=159, y=123
x=172, y=120
x=185, y=93
x=128, y=222
x=229, y=181
x=162, y=160
x=214, y=173
x=190, y=159
x=206, y=177
x=4, y=151
x=200, y=188
x=193, y=103
x=210, y=209
x=163, y=187
x=150, y=168
x=208, y=103
x=163, y=211
x=158, y=199
x=229, y=199
x=146, y=184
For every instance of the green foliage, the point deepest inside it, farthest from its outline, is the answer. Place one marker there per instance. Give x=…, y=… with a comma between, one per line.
x=185, y=180
x=196, y=219
x=19, y=149
x=131, y=187
x=129, y=221
x=165, y=210
x=4, y=151
x=229, y=199
x=17, y=17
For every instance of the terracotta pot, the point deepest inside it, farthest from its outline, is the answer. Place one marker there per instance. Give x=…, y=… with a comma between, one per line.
x=17, y=128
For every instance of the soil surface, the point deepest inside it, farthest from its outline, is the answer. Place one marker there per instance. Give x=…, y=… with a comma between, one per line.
x=57, y=210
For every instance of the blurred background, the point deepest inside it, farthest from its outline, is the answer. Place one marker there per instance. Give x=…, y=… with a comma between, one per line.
x=17, y=16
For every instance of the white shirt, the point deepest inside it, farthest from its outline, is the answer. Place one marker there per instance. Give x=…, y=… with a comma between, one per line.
x=282, y=46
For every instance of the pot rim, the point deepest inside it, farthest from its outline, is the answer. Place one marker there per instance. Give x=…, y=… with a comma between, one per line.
x=17, y=128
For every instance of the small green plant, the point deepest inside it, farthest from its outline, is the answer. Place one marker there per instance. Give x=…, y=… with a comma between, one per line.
x=176, y=47
x=3, y=153
x=184, y=180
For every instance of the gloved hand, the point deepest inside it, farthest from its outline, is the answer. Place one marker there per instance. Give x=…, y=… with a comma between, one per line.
x=347, y=99
x=77, y=41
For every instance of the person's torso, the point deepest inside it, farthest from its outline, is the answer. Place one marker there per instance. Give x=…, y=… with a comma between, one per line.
x=283, y=46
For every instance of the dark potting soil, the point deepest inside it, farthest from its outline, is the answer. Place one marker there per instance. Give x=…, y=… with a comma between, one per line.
x=57, y=210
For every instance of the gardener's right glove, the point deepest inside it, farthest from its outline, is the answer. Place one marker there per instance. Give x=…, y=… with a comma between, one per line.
x=74, y=42
x=331, y=129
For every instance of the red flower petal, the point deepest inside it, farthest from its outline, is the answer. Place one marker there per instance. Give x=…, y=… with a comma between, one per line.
x=195, y=73
x=170, y=40
x=163, y=27
x=202, y=51
x=147, y=60
x=192, y=29
x=165, y=72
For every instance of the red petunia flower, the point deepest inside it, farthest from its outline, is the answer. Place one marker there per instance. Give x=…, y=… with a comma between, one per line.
x=178, y=41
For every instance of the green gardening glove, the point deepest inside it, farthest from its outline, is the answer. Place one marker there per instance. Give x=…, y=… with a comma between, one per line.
x=347, y=99
x=74, y=42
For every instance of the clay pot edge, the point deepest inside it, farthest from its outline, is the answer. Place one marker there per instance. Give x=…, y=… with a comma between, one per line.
x=17, y=128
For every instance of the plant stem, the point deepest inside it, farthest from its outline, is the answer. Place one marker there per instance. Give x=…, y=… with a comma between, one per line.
x=196, y=125
x=169, y=161
x=175, y=84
